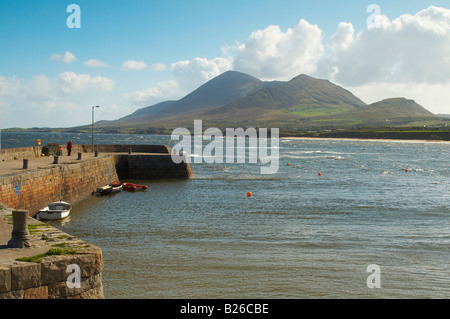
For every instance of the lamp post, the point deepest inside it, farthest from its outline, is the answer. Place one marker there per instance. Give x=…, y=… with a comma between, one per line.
x=93, y=126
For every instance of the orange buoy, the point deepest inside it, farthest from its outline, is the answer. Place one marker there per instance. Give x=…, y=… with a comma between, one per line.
x=320, y=174
x=249, y=194
x=288, y=164
x=406, y=170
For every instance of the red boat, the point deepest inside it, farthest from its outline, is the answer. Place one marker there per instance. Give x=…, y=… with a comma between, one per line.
x=133, y=187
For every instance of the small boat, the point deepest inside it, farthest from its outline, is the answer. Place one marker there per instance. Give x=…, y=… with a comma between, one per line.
x=133, y=187
x=54, y=211
x=114, y=187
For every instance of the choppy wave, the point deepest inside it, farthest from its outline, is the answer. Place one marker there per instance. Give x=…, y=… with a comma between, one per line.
x=313, y=157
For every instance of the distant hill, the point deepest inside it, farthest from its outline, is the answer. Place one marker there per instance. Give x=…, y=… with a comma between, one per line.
x=397, y=108
x=443, y=115
x=393, y=111
x=235, y=98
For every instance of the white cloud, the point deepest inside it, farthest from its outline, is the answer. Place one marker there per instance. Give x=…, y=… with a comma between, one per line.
x=406, y=57
x=343, y=38
x=131, y=65
x=158, y=67
x=271, y=54
x=192, y=74
x=409, y=49
x=70, y=83
x=9, y=86
x=189, y=75
x=168, y=90
x=95, y=63
x=57, y=102
x=68, y=57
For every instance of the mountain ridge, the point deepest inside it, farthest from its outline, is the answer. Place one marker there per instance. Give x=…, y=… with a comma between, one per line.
x=235, y=97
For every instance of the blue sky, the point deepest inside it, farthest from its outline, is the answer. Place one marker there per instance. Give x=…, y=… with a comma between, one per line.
x=50, y=75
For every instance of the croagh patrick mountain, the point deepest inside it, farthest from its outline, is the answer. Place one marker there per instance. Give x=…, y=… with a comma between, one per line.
x=235, y=99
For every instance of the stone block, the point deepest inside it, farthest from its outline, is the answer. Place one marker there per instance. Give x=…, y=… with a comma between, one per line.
x=25, y=275
x=36, y=293
x=95, y=293
x=16, y=294
x=54, y=268
x=5, y=279
x=62, y=290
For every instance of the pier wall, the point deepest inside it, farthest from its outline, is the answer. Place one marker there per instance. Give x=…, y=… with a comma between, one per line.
x=19, y=153
x=76, y=181
x=155, y=166
x=51, y=274
x=124, y=148
x=73, y=182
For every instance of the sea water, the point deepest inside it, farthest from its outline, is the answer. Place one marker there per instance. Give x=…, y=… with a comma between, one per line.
x=299, y=235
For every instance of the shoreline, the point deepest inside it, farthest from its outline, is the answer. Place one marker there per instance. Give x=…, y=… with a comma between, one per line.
x=362, y=139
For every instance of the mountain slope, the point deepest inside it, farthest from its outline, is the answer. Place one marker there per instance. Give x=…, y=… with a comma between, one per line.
x=221, y=90
x=144, y=114
x=303, y=96
x=389, y=111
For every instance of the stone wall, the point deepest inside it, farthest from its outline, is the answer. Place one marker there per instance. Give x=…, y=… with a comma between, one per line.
x=18, y=153
x=50, y=277
x=124, y=148
x=143, y=166
x=74, y=182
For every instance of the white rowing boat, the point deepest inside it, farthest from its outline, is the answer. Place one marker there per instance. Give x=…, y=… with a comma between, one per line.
x=54, y=211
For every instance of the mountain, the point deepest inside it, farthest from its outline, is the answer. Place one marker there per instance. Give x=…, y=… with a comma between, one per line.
x=221, y=90
x=143, y=115
x=227, y=87
x=393, y=111
x=303, y=96
x=235, y=98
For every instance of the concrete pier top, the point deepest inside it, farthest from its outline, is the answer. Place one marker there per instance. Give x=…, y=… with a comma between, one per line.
x=8, y=256
x=47, y=278
x=12, y=167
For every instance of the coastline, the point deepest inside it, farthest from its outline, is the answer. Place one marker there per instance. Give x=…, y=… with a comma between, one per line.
x=362, y=139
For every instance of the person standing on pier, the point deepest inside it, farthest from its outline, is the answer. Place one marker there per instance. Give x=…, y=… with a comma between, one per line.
x=69, y=148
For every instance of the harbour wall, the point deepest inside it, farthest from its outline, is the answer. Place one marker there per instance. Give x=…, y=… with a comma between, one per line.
x=76, y=181
x=69, y=182
x=155, y=166
x=18, y=153
x=51, y=274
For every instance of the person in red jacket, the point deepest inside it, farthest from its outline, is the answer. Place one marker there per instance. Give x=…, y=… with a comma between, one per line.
x=69, y=148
